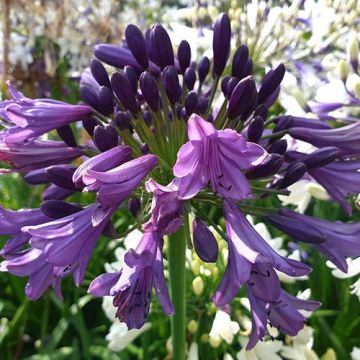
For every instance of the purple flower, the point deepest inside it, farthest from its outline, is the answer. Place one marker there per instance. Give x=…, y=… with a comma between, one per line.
x=69, y=242
x=215, y=156
x=115, y=185
x=11, y=223
x=283, y=314
x=33, y=264
x=246, y=248
x=166, y=209
x=131, y=287
x=36, y=117
x=345, y=138
x=340, y=240
x=37, y=154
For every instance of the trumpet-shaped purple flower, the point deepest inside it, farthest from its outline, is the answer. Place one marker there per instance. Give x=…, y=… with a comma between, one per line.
x=283, y=314
x=340, y=179
x=34, y=117
x=345, y=138
x=246, y=248
x=341, y=239
x=132, y=286
x=215, y=156
x=32, y=263
x=69, y=242
x=166, y=209
x=37, y=154
x=11, y=223
x=116, y=184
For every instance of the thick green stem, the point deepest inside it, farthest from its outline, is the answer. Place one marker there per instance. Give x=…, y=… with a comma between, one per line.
x=177, y=247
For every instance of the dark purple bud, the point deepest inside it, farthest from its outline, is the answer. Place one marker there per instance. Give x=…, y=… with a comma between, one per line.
x=270, y=167
x=105, y=138
x=54, y=192
x=283, y=123
x=124, y=92
x=122, y=120
x=144, y=148
x=262, y=111
x=132, y=76
x=161, y=47
x=180, y=111
x=191, y=103
x=36, y=177
x=322, y=157
x=106, y=103
x=190, y=78
x=184, y=55
x=278, y=147
x=224, y=82
x=221, y=43
x=66, y=134
x=149, y=90
x=255, y=129
x=203, y=104
x=57, y=209
x=240, y=59
x=203, y=68
x=110, y=231
x=136, y=43
x=171, y=83
x=205, y=243
x=243, y=93
x=271, y=82
x=248, y=69
x=99, y=73
x=89, y=125
x=147, y=117
x=61, y=175
x=230, y=86
x=294, y=173
x=134, y=206
x=116, y=56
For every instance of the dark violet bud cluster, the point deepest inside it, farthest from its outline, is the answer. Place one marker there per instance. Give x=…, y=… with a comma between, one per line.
x=203, y=132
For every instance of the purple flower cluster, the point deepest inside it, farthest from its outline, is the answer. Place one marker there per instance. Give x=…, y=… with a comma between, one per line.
x=156, y=114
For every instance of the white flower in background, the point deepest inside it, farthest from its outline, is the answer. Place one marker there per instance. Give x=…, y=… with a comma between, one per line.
x=353, y=270
x=265, y=350
x=301, y=346
x=119, y=337
x=193, y=352
x=227, y=356
x=355, y=353
x=223, y=328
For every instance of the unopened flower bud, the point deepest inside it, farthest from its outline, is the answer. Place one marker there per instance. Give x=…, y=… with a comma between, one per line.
x=57, y=209
x=190, y=78
x=144, y=148
x=271, y=82
x=134, y=206
x=105, y=138
x=136, y=42
x=195, y=266
x=171, y=83
x=132, y=76
x=36, y=177
x=278, y=147
x=270, y=167
x=221, y=43
x=224, y=82
x=353, y=51
x=343, y=69
x=184, y=55
x=322, y=157
x=124, y=91
x=294, y=173
x=230, y=86
x=149, y=89
x=203, y=104
x=239, y=61
x=89, y=125
x=99, y=73
x=193, y=325
x=161, y=47
x=191, y=103
x=198, y=286
x=205, y=243
x=122, y=120
x=204, y=338
x=215, y=341
x=61, y=175
x=66, y=133
x=255, y=129
x=203, y=68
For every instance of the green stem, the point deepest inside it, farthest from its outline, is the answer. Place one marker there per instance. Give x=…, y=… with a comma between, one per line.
x=177, y=247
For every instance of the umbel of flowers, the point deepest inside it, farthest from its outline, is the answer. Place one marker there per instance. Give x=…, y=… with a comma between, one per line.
x=155, y=116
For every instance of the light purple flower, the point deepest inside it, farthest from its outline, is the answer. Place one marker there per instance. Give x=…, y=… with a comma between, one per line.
x=34, y=117
x=37, y=154
x=11, y=223
x=167, y=208
x=246, y=248
x=341, y=240
x=132, y=286
x=69, y=241
x=32, y=263
x=215, y=156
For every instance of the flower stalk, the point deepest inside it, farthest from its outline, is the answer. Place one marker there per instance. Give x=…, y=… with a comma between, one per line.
x=176, y=257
